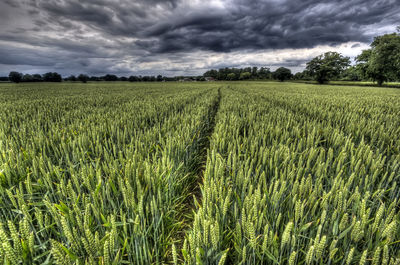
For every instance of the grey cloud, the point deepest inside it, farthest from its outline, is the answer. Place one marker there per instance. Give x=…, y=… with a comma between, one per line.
x=262, y=25
x=146, y=31
x=15, y=56
x=12, y=3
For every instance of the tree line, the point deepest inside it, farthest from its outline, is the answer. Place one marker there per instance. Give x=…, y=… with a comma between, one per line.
x=17, y=77
x=109, y=77
x=248, y=73
x=380, y=63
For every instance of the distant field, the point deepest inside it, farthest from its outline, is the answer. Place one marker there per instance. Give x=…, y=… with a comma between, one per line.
x=199, y=173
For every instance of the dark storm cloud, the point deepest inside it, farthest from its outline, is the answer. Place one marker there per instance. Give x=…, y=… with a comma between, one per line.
x=290, y=24
x=241, y=25
x=146, y=31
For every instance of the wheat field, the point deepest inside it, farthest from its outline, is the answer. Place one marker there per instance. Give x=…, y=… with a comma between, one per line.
x=199, y=173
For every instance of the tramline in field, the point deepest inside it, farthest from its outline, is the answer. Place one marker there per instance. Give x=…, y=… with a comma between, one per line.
x=110, y=174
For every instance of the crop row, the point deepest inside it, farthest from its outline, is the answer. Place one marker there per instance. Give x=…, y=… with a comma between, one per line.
x=278, y=191
x=87, y=180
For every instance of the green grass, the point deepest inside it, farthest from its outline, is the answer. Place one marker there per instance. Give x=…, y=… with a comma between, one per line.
x=108, y=173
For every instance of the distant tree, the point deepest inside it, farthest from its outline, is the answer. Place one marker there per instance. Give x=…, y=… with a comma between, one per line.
x=327, y=66
x=226, y=73
x=83, y=78
x=171, y=79
x=282, y=74
x=47, y=77
x=57, y=77
x=298, y=76
x=4, y=79
x=133, y=79
x=110, y=78
x=231, y=77
x=95, y=78
x=254, y=72
x=351, y=74
x=212, y=73
x=222, y=73
x=305, y=75
x=15, y=77
x=160, y=78
x=362, y=63
x=123, y=78
x=381, y=63
x=71, y=78
x=264, y=73
x=52, y=77
x=245, y=76
x=247, y=69
x=37, y=78
x=27, y=78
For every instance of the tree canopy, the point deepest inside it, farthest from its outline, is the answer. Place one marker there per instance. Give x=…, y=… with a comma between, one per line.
x=327, y=66
x=245, y=76
x=83, y=78
x=15, y=77
x=52, y=77
x=282, y=74
x=381, y=63
x=239, y=73
x=231, y=76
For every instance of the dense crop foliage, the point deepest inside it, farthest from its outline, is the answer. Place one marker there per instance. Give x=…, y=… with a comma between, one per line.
x=296, y=175
x=109, y=174
x=97, y=175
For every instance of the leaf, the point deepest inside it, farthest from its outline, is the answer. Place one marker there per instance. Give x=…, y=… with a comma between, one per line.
x=71, y=255
x=335, y=228
x=98, y=188
x=62, y=208
x=306, y=226
x=343, y=234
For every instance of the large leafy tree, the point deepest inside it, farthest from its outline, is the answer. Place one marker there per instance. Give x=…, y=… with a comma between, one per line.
x=382, y=62
x=327, y=66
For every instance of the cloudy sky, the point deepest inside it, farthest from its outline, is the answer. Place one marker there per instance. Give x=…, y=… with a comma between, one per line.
x=174, y=37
